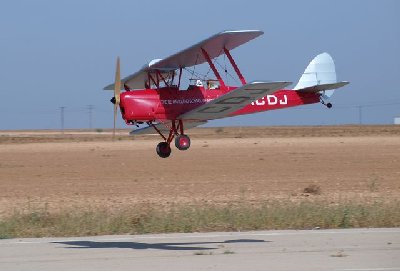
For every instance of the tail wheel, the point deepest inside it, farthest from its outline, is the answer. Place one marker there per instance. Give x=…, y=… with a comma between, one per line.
x=163, y=149
x=182, y=142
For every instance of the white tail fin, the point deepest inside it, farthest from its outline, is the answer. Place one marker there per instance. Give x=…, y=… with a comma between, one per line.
x=320, y=71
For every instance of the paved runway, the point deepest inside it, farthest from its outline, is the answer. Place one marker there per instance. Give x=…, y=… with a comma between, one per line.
x=346, y=250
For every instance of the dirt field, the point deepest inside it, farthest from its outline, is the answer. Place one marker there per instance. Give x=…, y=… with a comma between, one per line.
x=81, y=169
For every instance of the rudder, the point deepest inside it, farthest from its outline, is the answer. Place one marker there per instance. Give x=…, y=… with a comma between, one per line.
x=321, y=70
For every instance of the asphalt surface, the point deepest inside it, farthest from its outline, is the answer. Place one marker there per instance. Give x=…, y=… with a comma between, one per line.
x=346, y=250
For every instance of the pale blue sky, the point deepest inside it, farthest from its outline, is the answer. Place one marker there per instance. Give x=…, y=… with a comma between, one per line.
x=62, y=53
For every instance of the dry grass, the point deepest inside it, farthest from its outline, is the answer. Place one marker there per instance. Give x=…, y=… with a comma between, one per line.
x=201, y=218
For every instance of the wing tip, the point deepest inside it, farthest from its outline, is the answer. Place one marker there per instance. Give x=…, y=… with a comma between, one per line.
x=255, y=31
x=109, y=87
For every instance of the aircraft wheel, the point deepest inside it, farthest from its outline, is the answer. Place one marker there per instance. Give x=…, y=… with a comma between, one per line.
x=163, y=149
x=182, y=142
x=329, y=105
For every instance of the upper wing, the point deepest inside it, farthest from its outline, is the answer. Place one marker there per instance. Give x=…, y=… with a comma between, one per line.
x=214, y=46
x=234, y=100
x=191, y=56
x=164, y=127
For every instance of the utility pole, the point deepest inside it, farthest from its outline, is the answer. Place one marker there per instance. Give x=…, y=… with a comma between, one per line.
x=62, y=118
x=90, y=108
x=359, y=114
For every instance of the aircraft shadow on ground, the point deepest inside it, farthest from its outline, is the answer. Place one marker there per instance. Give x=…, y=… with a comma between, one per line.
x=161, y=246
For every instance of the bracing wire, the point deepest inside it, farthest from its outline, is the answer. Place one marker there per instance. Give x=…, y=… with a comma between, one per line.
x=227, y=73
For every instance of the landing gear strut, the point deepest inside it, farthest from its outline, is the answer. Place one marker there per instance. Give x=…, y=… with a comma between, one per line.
x=182, y=141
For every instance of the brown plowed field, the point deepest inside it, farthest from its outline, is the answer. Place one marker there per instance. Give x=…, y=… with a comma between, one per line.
x=83, y=169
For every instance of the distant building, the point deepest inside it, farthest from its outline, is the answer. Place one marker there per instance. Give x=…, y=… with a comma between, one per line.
x=397, y=120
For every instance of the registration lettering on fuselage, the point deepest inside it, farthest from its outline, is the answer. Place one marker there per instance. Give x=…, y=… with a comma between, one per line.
x=271, y=100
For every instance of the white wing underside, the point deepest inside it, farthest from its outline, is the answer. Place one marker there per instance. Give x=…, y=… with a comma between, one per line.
x=165, y=127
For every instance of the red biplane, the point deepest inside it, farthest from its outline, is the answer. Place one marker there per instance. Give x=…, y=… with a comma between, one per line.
x=153, y=95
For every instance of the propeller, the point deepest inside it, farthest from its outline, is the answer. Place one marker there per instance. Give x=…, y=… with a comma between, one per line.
x=117, y=91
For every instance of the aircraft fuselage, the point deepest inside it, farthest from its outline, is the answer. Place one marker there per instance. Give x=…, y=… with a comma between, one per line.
x=169, y=103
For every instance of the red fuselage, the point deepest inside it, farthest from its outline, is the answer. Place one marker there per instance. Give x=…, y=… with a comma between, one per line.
x=169, y=103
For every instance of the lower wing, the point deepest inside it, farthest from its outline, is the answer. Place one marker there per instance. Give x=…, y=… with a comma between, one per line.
x=232, y=101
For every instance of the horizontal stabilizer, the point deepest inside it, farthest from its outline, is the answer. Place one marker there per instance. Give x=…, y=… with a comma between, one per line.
x=323, y=87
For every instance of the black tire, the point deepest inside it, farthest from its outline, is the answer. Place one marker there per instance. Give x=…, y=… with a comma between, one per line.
x=329, y=105
x=182, y=142
x=163, y=149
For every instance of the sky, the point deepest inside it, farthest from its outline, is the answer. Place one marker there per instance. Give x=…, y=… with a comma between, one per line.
x=62, y=53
